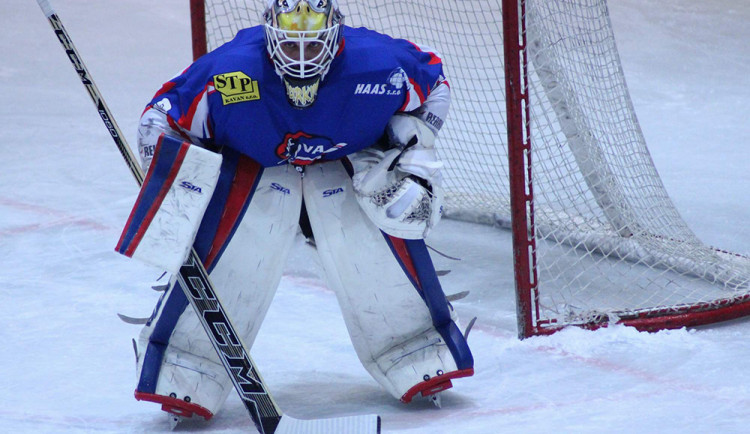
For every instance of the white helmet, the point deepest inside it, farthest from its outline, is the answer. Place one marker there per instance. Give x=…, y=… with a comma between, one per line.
x=302, y=38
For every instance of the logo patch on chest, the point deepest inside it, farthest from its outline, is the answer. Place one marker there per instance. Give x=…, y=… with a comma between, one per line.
x=395, y=84
x=301, y=149
x=236, y=87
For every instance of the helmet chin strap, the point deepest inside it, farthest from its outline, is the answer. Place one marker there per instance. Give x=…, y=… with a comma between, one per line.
x=301, y=92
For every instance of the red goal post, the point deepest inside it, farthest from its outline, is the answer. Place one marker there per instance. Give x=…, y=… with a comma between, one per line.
x=548, y=145
x=198, y=27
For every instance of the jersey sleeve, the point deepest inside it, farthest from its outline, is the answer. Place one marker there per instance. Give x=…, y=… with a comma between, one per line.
x=428, y=92
x=179, y=109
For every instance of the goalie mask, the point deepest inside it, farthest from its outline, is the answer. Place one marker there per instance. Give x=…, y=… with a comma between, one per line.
x=302, y=38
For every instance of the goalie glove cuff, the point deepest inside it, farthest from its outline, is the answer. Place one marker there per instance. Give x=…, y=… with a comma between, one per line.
x=404, y=129
x=417, y=140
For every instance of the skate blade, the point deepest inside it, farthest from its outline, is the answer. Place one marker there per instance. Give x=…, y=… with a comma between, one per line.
x=174, y=420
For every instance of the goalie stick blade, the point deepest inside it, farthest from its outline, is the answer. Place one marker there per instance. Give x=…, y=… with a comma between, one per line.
x=364, y=424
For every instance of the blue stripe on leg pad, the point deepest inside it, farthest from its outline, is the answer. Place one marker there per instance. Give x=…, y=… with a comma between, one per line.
x=434, y=297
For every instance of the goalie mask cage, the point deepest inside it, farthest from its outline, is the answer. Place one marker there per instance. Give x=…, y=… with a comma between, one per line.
x=561, y=160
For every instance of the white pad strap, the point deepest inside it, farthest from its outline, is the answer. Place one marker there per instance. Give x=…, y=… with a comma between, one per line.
x=165, y=218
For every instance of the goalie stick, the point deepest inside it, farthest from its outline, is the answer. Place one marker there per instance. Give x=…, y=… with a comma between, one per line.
x=200, y=292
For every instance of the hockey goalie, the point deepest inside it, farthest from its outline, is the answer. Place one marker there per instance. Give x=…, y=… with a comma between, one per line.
x=299, y=114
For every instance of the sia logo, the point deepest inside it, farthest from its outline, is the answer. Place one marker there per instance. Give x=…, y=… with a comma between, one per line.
x=301, y=148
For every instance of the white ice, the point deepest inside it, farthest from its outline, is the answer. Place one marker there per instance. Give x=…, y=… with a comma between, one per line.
x=66, y=362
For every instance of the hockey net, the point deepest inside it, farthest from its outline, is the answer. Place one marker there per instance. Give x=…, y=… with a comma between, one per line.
x=608, y=244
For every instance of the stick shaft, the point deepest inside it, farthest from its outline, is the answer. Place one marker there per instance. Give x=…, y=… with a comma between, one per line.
x=193, y=277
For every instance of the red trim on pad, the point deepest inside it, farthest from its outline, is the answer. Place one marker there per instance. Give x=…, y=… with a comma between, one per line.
x=175, y=406
x=436, y=384
x=399, y=246
x=242, y=187
x=158, y=199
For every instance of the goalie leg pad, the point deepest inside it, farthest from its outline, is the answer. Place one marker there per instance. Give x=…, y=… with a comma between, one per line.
x=397, y=316
x=173, y=198
x=254, y=229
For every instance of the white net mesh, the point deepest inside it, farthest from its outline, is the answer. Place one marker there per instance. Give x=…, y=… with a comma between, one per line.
x=610, y=243
x=610, y=240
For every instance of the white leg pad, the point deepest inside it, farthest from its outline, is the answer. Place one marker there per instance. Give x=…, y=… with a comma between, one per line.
x=389, y=324
x=174, y=196
x=245, y=278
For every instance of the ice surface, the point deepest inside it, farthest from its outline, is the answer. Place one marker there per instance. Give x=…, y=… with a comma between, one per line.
x=66, y=363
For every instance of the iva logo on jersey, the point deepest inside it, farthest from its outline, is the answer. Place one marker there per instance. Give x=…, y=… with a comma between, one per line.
x=301, y=148
x=236, y=87
x=394, y=85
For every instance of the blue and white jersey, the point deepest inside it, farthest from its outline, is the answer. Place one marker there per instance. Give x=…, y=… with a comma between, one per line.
x=232, y=97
